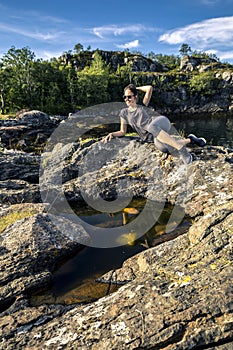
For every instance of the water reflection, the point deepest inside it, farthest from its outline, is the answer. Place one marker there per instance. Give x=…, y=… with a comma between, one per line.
x=218, y=130
x=75, y=280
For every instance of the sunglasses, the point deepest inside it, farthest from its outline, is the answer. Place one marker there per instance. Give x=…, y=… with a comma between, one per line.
x=129, y=97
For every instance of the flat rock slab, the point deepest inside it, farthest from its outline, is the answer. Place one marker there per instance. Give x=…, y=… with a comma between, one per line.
x=177, y=295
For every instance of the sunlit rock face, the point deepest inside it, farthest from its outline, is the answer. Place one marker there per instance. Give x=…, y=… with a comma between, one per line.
x=175, y=295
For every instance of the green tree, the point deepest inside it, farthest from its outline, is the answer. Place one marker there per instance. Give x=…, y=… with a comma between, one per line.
x=185, y=49
x=206, y=55
x=18, y=66
x=78, y=47
x=170, y=61
x=2, y=89
x=93, y=82
x=52, y=87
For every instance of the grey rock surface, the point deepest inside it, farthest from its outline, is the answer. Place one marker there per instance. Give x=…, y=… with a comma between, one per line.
x=174, y=296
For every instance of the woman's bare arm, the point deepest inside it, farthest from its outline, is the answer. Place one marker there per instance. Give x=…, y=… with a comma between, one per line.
x=119, y=133
x=147, y=89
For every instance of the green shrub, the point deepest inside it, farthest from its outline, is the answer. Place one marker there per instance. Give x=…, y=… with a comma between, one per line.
x=204, y=84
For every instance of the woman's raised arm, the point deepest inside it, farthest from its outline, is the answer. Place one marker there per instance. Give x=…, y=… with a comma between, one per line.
x=147, y=89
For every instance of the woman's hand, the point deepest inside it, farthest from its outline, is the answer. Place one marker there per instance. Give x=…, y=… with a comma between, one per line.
x=107, y=138
x=119, y=133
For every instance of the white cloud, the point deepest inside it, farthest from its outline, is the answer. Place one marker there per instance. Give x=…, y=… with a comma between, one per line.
x=129, y=45
x=29, y=33
x=209, y=2
x=213, y=31
x=52, y=19
x=47, y=55
x=214, y=52
x=227, y=55
x=115, y=30
x=215, y=2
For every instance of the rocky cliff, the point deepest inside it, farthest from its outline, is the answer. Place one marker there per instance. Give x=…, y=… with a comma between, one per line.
x=188, y=94
x=114, y=59
x=200, y=85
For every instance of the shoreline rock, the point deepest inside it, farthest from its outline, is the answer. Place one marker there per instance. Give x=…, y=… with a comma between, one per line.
x=176, y=296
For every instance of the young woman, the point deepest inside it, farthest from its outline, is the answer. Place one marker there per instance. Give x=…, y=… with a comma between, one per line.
x=145, y=125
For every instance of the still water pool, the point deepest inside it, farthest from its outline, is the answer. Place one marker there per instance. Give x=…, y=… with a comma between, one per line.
x=75, y=280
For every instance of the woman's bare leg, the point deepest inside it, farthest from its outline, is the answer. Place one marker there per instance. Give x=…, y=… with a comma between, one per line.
x=164, y=137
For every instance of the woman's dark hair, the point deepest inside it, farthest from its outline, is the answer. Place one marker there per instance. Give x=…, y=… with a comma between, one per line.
x=132, y=88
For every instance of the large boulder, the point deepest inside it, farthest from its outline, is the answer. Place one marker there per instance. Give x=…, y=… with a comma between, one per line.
x=177, y=295
x=148, y=173
x=19, y=165
x=18, y=191
x=34, y=118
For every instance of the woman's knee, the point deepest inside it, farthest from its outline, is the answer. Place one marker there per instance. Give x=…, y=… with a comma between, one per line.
x=157, y=124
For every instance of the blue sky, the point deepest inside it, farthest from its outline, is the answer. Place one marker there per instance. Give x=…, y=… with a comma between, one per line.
x=50, y=28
